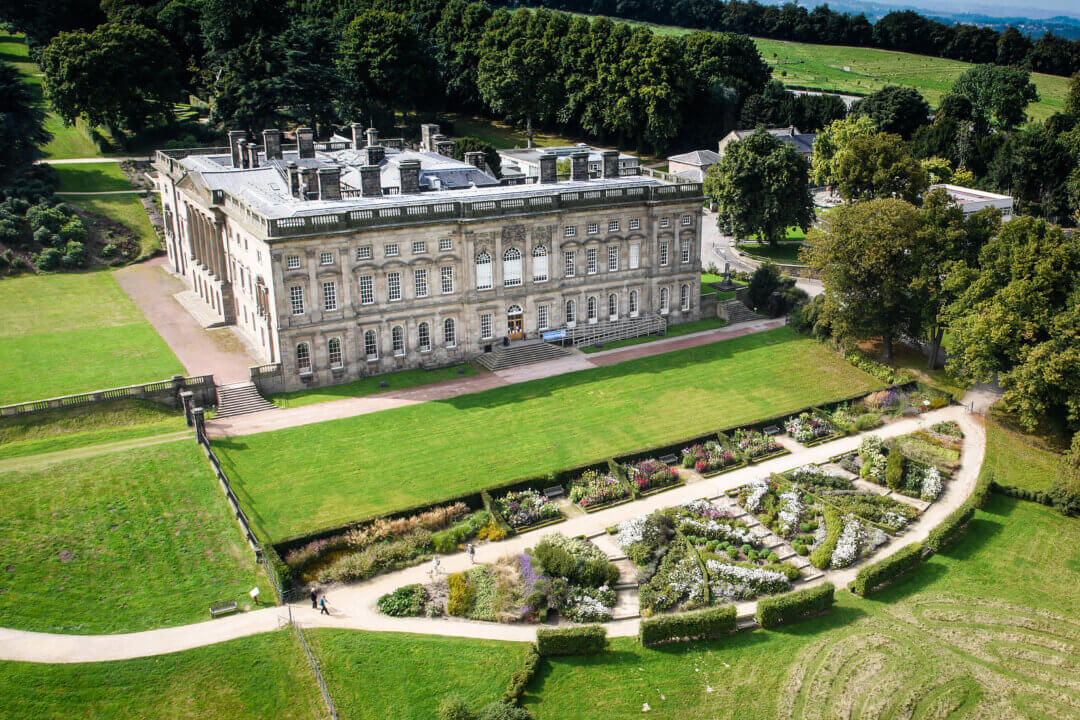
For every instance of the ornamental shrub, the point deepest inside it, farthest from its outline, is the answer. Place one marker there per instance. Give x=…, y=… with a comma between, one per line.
x=46, y=237
x=461, y=597
x=49, y=259
x=894, y=470
x=887, y=569
x=580, y=640
x=43, y=216
x=821, y=557
x=867, y=421
x=502, y=711
x=75, y=255
x=406, y=601
x=455, y=708
x=779, y=609
x=707, y=623
x=521, y=678
x=73, y=231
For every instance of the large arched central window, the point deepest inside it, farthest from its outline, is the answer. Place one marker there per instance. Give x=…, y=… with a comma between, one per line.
x=512, y=267
x=333, y=352
x=449, y=333
x=483, y=271
x=540, y=264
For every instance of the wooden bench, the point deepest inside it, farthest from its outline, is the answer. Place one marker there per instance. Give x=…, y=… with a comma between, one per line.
x=670, y=460
x=223, y=607
x=554, y=491
x=772, y=430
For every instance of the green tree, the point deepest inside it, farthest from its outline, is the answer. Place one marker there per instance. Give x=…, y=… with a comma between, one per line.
x=384, y=60
x=761, y=186
x=1072, y=97
x=123, y=76
x=308, y=83
x=763, y=283
x=464, y=145
x=999, y=96
x=1064, y=492
x=831, y=142
x=895, y=109
x=246, y=86
x=457, y=34
x=879, y=166
x=22, y=124
x=866, y=255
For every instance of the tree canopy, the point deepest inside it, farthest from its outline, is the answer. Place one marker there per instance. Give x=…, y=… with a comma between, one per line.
x=894, y=109
x=832, y=141
x=879, y=166
x=999, y=96
x=22, y=124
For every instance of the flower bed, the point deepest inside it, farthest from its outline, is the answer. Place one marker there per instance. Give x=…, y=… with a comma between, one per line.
x=709, y=458
x=527, y=509
x=922, y=481
x=856, y=540
x=756, y=446
x=651, y=476
x=811, y=428
x=593, y=491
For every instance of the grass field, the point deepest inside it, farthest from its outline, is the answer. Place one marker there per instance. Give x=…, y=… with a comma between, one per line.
x=707, y=278
x=126, y=209
x=370, y=386
x=74, y=333
x=1013, y=458
x=262, y=676
x=988, y=629
x=784, y=253
x=376, y=676
x=120, y=542
x=301, y=479
x=92, y=177
x=672, y=331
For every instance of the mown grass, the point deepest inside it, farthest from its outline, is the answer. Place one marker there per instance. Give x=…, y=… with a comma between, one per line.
x=75, y=332
x=92, y=177
x=297, y=480
x=707, y=278
x=370, y=385
x=784, y=253
x=125, y=209
x=262, y=676
x=986, y=629
x=121, y=542
x=374, y=676
x=672, y=331
x=1015, y=458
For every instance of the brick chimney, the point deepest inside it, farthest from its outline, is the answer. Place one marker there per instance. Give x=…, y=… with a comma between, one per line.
x=476, y=159
x=370, y=181
x=372, y=136
x=579, y=165
x=305, y=142
x=294, y=178
x=357, y=135
x=428, y=131
x=329, y=183
x=609, y=166
x=272, y=144
x=409, y=171
x=443, y=146
x=242, y=151
x=253, y=156
x=235, y=138
x=375, y=154
x=549, y=168
x=309, y=183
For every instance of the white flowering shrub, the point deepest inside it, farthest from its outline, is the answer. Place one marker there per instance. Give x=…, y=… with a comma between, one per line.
x=734, y=582
x=588, y=605
x=791, y=511
x=758, y=489
x=639, y=530
x=718, y=530
x=852, y=539
x=931, y=485
x=871, y=445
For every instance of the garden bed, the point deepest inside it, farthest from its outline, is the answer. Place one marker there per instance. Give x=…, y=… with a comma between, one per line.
x=649, y=477
x=756, y=446
x=595, y=490
x=811, y=428
x=664, y=488
x=526, y=510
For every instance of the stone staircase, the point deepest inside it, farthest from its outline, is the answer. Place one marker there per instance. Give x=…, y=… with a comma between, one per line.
x=521, y=353
x=240, y=399
x=737, y=313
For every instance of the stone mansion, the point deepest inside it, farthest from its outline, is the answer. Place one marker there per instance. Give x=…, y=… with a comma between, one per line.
x=356, y=256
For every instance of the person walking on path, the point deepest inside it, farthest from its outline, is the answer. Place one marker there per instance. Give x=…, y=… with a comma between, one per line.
x=434, y=568
x=472, y=553
x=322, y=607
x=314, y=598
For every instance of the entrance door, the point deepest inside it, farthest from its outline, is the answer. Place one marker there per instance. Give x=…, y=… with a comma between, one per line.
x=515, y=328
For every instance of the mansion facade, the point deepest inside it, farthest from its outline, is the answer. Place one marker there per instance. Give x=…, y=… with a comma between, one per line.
x=350, y=258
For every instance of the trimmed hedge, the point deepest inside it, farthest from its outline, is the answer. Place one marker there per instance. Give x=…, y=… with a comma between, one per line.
x=521, y=678
x=708, y=623
x=821, y=556
x=779, y=609
x=579, y=640
x=883, y=571
x=940, y=536
x=1036, y=496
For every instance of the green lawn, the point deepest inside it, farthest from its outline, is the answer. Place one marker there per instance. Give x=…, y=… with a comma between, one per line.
x=1013, y=458
x=377, y=676
x=120, y=542
x=672, y=331
x=126, y=209
x=262, y=676
x=707, y=278
x=297, y=480
x=72, y=333
x=370, y=386
x=784, y=253
x=92, y=177
x=988, y=629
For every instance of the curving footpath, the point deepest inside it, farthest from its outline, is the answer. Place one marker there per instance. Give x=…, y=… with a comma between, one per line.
x=353, y=606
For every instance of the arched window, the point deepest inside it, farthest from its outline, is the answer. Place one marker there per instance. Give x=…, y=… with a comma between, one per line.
x=333, y=352
x=483, y=271
x=540, y=264
x=633, y=303
x=613, y=307
x=571, y=313
x=512, y=267
x=590, y=309
x=303, y=357
x=423, y=332
x=371, y=345
x=684, y=298
x=397, y=339
x=663, y=301
x=449, y=333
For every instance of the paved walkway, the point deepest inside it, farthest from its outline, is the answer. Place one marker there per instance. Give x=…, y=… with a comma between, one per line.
x=353, y=606
x=202, y=352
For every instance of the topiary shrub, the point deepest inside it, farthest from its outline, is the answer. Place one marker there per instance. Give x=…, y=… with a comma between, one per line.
x=580, y=640
x=887, y=569
x=822, y=554
x=521, y=678
x=502, y=711
x=49, y=259
x=779, y=609
x=938, y=537
x=75, y=255
x=894, y=470
x=707, y=623
x=461, y=595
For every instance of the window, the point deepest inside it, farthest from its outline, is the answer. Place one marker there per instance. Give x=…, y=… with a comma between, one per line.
x=684, y=298
x=590, y=309
x=569, y=263
x=483, y=271
x=685, y=246
x=420, y=282
x=367, y=290
x=326, y=258
x=391, y=250
x=292, y=262
x=397, y=340
x=393, y=286
x=590, y=261
x=613, y=226
x=371, y=345
x=329, y=296
x=486, y=332
x=449, y=331
x=635, y=224
x=446, y=278
x=423, y=334
x=635, y=256
x=571, y=313
x=512, y=268
x=686, y=220
x=613, y=258
x=613, y=307
x=363, y=253
x=303, y=358
x=665, y=222
x=593, y=228
x=333, y=351
x=663, y=253
x=570, y=231
x=541, y=317
x=446, y=244
x=419, y=247
x=663, y=301
x=540, y=264
x=296, y=299
x=633, y=303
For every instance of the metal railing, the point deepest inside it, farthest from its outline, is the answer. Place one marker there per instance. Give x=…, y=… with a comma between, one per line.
x=604, y=332
x=330, y=705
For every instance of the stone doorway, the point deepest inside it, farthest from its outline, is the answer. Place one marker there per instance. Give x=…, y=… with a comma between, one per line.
x=515, y=324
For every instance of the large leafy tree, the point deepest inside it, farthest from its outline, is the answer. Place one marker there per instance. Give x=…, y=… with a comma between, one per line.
x=246, y=87
x=41, y=21
x=384, y=60
x=895, y=109
x=1017, y=317
x=22, y=123
x=999, y=96
x=866, y=255
x=457, y=34
x=123, y=76
x=761, y=186
x=879, y=166
x=309, y=83
x=831, y=142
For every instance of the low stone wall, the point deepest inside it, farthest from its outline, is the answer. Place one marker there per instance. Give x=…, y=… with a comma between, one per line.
x=269, y=379
x=166, y=391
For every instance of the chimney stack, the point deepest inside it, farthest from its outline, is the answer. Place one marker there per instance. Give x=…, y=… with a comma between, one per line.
x=330, y=183
x=294, y=177
x=476, y=159
x=272, y=144
x=579, y=166
x=235, y=138
x=549, y=171
x=428, y=132
x=409, y=171
x=609, y=166
x=305, y=142
x=443, y=146
x=242, y=151
x=253, y=155
x=375, y=154
x=370, y=181
x=309, y=183
x=372, y=136
x=357, y=135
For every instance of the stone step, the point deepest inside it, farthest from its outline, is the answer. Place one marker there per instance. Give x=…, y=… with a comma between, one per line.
x=737, y=313
x=515, y=355
x=240, y=399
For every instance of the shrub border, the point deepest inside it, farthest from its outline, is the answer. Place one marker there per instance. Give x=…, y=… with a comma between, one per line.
x=822, y=440
x=709, y=623
x=656, y=490
x=779, y=453
x=605, y=506
x=721, y=471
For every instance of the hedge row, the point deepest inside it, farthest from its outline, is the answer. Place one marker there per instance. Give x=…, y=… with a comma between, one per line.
x=821, y=556
x=939, y=536
x=779, y=609
x=708, y=623
x=886, y=570
x=579, y=640
x=1037, y=496
x=521, y=678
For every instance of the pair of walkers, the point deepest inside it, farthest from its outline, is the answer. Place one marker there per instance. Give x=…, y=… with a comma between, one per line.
x=318, y=603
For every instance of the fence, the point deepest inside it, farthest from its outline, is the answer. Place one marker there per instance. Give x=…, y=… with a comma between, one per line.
x=163, y=391
x=315, y=669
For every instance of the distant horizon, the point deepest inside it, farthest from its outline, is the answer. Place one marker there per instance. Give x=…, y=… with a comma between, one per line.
x=1045, y=9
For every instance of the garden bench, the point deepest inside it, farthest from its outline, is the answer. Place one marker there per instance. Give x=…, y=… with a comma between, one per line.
x=554, y=491
x=669, y=460
x=222, y=607
x=772, y=430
